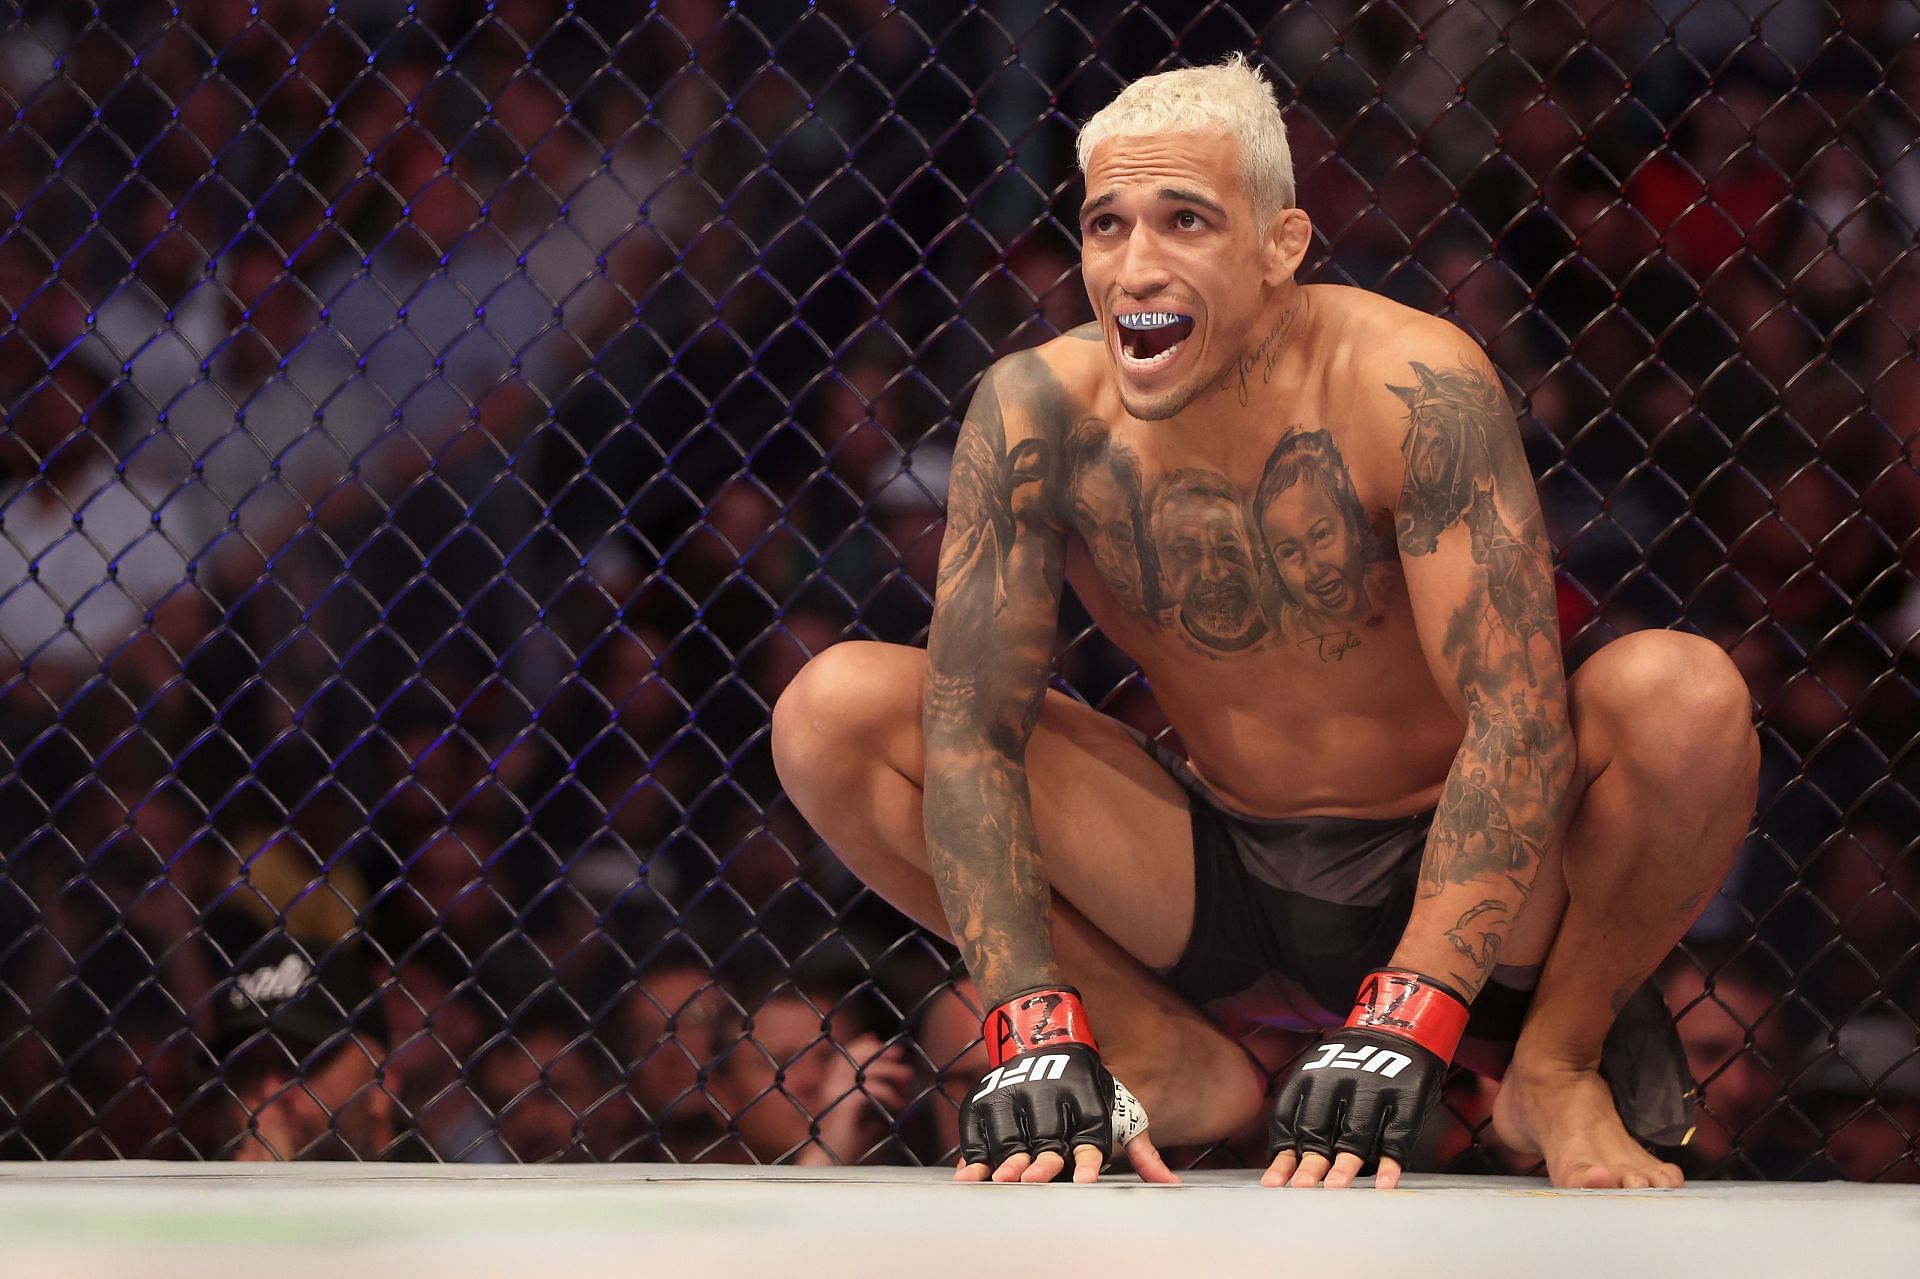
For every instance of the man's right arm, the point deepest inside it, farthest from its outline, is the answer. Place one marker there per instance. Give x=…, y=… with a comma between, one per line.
x=996, y=608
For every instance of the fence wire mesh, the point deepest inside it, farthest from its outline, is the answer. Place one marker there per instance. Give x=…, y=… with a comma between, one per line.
x=437, y=432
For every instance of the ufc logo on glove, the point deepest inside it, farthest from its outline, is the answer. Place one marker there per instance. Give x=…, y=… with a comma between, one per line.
x=1023, y=1070
x=1375, y=1061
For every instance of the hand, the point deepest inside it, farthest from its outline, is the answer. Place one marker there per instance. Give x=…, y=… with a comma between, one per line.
x=1049, y=1100
x=868, y=1083
x=1361, y=1094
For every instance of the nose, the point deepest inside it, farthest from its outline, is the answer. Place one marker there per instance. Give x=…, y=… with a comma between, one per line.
x=1143, y=271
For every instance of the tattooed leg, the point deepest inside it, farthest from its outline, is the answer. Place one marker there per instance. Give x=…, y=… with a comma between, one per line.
x=1118, y=852
x=1669, y=759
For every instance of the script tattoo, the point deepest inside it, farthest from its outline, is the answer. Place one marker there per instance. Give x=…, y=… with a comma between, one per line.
x=989, y=652
x=1467, y=480
x=1264, y=357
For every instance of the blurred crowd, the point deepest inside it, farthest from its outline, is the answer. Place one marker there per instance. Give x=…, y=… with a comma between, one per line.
x=436, y=433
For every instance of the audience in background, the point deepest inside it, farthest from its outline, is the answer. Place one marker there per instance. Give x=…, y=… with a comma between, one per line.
x=422, y=477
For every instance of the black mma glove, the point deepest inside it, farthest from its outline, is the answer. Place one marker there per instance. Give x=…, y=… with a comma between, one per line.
x=1364, y=1089
x=1047, y=1089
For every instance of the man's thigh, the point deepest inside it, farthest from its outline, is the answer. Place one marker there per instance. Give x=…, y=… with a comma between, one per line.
x=1115, y=830
x=1114, y=827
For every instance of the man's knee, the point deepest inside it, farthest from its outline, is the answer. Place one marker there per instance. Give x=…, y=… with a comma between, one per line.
x=849, y=701
x=1672, y=701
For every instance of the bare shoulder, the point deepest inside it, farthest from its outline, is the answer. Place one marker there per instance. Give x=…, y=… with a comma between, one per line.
x=1022, y=413
x=1442, y=404
x=1043, y=390
x=1387, y=338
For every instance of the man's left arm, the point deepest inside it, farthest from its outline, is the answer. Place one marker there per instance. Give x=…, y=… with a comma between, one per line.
x=1479, y=571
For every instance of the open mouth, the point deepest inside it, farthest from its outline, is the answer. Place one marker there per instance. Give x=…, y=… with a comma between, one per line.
x=1150, y=338
x=1332, y=593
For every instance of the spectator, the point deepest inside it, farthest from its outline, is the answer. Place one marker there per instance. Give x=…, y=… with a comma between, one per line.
x=555, y=1093
x=1861, y=1093
x=810, y=1085
x=677, y=1020
x=300, y=1042
x=1735, y=1038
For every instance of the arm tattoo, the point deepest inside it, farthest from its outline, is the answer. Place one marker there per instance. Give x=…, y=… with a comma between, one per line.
x=1465, y=470
x=989, y=652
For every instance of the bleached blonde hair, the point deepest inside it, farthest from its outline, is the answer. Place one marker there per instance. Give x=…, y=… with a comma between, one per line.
x=1231, y=98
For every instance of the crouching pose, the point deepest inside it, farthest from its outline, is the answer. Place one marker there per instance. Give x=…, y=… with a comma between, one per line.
x=1305, y=512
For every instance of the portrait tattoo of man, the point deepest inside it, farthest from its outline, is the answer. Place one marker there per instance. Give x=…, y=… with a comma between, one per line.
x=1317, y=541
x=1105, y=496
x=1202, y=539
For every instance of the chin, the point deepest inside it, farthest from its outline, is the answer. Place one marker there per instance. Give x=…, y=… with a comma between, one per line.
x=1160, y=405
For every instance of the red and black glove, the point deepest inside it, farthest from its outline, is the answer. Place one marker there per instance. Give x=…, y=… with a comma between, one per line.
x=1364, y=1089
x=1047, y=1089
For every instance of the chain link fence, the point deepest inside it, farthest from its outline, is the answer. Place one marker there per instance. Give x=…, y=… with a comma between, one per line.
x=436, y=432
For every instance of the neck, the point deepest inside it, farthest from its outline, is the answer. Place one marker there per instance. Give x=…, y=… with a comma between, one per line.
x=1279, y=322
x=1218, y=426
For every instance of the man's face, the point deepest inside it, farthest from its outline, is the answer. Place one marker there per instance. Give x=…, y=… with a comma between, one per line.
x=1203, y=547
x=553, y=1099
x=1105, y=517
x=340, y=1109
x=1315, y=551
x=1172, y=260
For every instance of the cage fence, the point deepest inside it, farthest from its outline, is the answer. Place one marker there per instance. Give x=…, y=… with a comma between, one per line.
x=436, y=433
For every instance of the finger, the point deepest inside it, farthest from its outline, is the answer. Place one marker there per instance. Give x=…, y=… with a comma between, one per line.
x=970, y=1172
x=1280, y=1169
x=1086, y=1164
x=1312, y=1168
x=1388, y=1176
x=1148, y=1162
x=1345, y=1169
x=1013, y=1167
x=891, y=1069
x=1045, y=1168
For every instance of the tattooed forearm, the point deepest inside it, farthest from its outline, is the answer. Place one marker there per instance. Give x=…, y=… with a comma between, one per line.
x=1477, y=934
x=1468, y=505
x=989, y=652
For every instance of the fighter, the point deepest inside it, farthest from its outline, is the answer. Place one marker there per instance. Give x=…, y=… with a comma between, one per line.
x=1415, y=830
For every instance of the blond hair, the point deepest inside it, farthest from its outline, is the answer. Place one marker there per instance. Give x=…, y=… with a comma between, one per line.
x=1231, y=98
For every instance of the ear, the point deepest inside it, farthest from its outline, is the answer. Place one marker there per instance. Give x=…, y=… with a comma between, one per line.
x=1289, y=236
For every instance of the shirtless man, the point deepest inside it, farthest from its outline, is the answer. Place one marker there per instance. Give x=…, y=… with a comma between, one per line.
x=1337, y=819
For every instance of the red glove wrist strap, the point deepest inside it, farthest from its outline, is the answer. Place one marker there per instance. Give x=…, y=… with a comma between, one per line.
x=1045, y=1018
x=1413, y=1007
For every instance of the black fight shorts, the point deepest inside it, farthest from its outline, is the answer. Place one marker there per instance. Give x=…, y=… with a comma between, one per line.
x=1290, y=915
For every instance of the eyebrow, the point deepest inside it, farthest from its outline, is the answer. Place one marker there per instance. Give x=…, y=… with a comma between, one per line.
x=1178, y=195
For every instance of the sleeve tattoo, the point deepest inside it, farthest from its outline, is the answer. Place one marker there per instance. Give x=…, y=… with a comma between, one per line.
x=989, y=652
x=1500, y=806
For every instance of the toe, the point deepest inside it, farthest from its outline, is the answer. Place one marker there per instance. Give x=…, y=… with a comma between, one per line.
x=1593, y=1177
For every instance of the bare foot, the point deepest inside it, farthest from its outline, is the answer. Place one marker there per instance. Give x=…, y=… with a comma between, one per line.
x=1567, y=1116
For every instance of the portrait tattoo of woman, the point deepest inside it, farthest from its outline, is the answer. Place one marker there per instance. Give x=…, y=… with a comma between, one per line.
x=1109, y=508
